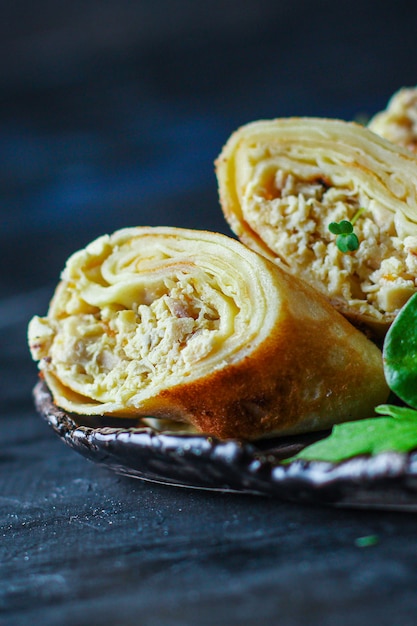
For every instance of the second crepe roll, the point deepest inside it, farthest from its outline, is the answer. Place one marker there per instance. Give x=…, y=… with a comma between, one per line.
x=282, y=182
x=193, y=326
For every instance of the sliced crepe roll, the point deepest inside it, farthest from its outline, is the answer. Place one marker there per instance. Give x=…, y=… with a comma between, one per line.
x=282, y=182
x=193, y=326
x=398, y=122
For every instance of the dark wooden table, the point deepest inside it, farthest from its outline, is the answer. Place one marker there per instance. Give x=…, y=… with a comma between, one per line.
x=113, y=122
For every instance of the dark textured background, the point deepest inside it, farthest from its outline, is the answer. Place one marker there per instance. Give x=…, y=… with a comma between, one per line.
x=111, y=115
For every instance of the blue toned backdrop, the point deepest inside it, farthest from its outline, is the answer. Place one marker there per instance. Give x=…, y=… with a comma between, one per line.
x=111, y=115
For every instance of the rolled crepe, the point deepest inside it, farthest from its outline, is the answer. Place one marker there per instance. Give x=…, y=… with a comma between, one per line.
x=282, y=182
x=193, y=326
x=398, y=122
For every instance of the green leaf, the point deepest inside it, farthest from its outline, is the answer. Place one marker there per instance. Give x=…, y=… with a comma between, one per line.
x=347, y=243
x=367, y=541
x=396, y=431
x=334, y=228
x=340, y=228
x=397, y=412
x=400, y=354
x=346, y=239
x=345, y=227
x=396, y=428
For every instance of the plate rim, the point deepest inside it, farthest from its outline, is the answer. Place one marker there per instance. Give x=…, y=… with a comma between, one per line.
x=387, y=480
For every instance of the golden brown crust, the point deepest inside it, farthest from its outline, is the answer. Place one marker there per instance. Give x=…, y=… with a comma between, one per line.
x=270, y=356
x=308, y=375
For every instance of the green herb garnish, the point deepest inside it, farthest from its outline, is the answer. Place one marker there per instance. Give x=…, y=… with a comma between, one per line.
x=400, y=354
x=396, y=431
x=346, y=239
x=396, y=428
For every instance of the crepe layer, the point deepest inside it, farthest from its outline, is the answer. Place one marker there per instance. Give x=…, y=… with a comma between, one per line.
x=194, y=327
x=282, y=182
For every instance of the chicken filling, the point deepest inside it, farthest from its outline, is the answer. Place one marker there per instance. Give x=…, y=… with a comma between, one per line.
x=101, y=351
x=292, y=216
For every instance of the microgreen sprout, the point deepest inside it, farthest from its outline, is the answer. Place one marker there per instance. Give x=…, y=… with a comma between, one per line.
x=346, y=239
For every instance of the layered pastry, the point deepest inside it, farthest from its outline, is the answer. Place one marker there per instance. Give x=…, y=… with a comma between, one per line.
x=195, y=327
x=283, y=182
x=398, y=122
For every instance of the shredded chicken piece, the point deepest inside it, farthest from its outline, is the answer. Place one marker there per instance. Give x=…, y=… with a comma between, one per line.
x=293, y=215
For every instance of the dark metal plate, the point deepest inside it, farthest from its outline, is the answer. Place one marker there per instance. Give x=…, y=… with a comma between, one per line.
x=129, y=447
